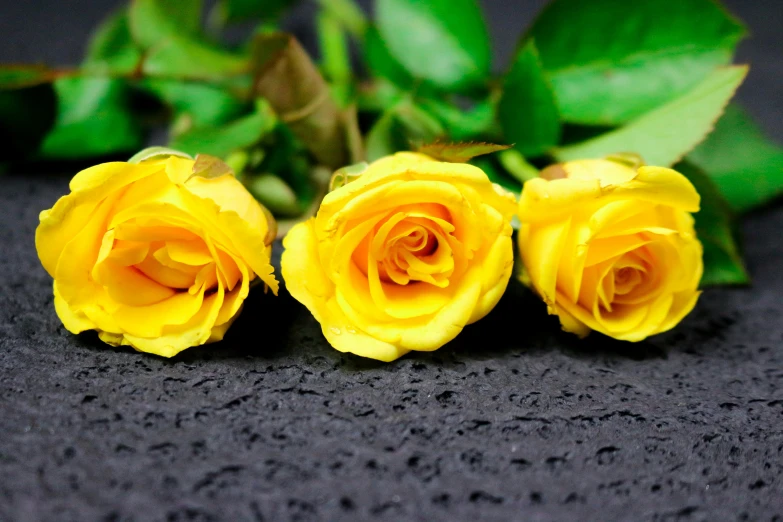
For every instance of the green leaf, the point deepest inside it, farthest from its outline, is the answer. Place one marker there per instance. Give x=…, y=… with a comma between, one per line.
x=385, y=137
x=377, y=96
x=287, y=158
x=111, y=48
x=223, y=140
x=527, y=109
x=401, y=128
x=241, y=10
x=184, y=58
x=274, y=194
x=745, y=165
x=381, y=63
x=444, y=41
x=610, y=62
x=476, y=123
x=348, y=14
x=335, y=56
x=170, y=32
x=93, y=119
x=203, y=104
x=715, y=228
x=318, y=181
x=459, y=152
x=666, y=134
x=238, y=160
x=154, y=20
x=418, y=125
x=151, y=153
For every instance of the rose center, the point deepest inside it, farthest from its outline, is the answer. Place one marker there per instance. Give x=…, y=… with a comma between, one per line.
x=140, y=265
x=626, y=279
x=408, y=249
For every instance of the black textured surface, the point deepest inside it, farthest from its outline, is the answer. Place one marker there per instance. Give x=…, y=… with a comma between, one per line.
x=513, y=420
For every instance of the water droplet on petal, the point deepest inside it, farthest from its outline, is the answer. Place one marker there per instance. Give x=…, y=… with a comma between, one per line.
x=350, y=330
x=335, y=330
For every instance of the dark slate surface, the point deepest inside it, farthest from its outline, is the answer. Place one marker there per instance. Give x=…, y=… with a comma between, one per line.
x=514, y=420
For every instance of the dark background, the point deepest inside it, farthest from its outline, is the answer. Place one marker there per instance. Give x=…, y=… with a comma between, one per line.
x=513, y=420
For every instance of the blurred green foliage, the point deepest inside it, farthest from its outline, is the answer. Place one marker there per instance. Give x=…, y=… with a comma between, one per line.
x=651, y=77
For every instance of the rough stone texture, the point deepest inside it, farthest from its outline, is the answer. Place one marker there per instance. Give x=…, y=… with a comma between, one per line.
x=513, y=420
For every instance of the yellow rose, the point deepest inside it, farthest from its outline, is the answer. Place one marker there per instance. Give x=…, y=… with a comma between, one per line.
x=152, y=255
x=612, y=248
x=403, y=257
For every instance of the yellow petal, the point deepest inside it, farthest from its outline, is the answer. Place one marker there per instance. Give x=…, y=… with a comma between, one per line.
x=568, y=322
x=389, y=196
x=402, y=301
x=449, y=321
x=301, y=268
x=663, y=186
x=169, y=277
x=576, y=315
x=625, y=217
x=174, y=338
x=308, y=284
x=497, y=267
x=71, y=213
x=58, y=226
x=345, y=337
x=599, y=250
x=231, y=196
x=129, y=286
x=127, y=253
x=151, y=321
x=113, y=339
x=153, y=229
x=202, y=216
x=193, y=253
x=162, y=255
x=74, y=322
x=424, y=333
x=409, y=167
x=541, y=252
x=109, y=177
x=245, y=238
x=543, y=200
x=233, y=300
x=605, y=171
x=572, y=260
x=682, y=304
x=623, y=320
x=73, y=273
x=178, y=170
x=220, y=329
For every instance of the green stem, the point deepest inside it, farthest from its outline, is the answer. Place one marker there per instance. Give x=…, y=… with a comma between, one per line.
x=516, y=165
x=349, y=15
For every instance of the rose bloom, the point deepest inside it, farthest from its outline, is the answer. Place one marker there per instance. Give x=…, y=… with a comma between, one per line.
x=152, y=255
x=612, y=248
x=403, y=257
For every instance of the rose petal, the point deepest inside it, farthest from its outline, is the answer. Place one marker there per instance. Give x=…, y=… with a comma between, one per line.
x=151, y=321
x=172, y=339
x=541, y=251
